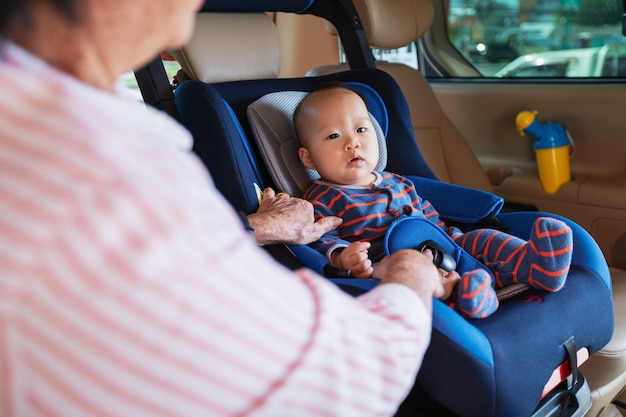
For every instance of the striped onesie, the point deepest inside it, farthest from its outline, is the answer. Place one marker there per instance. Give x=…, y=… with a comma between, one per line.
x=542, y=262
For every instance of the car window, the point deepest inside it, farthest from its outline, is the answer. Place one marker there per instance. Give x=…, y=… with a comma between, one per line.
x=530, y=39
x=548, y=38
x=406, y=55
x=614, y=62
x=129, y=81
x=532, y=69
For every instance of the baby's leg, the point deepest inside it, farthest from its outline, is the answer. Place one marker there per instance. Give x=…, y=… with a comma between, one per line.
x=499, y=251
x=549, y=254
x=542, y=262
x=475, y=296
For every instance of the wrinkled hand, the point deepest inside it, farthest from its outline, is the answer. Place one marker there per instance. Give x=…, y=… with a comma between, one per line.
x=449, y=281
x=284, y=219
x=415, y=270
x=354, y=258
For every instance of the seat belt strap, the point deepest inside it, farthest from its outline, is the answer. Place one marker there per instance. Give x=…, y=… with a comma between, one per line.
x=155, y=87
x=574, y=380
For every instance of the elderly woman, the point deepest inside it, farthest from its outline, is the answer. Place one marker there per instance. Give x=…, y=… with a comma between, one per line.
x=128, y=286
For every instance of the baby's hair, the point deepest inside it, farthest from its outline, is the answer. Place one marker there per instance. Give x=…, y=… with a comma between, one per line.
x=328, y=85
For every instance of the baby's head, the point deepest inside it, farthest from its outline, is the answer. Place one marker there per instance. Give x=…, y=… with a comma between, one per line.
x=337, y=136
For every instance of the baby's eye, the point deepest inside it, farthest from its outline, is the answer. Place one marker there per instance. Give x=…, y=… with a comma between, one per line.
x=333, y=136
x=361, y=129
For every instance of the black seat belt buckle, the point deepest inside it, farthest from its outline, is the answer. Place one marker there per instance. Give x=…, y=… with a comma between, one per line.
x=441, y=258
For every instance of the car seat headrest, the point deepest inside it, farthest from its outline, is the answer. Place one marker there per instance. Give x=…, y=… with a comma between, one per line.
x=248, y=48
x=391, y=24
x=271, y=121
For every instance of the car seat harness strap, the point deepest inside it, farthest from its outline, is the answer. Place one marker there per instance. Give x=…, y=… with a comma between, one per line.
x=574, y=380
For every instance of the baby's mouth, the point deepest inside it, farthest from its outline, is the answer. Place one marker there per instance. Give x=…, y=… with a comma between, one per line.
x=355, y=159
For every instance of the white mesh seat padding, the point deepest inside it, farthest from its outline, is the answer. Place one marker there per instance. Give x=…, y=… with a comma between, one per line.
x=271, y=121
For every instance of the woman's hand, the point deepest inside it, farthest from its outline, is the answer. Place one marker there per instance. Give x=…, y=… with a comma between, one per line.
x=415, y=270
x=285, y=219
x=449, y=280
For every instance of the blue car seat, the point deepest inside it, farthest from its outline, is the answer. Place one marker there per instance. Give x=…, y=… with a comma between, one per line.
x=271, y=117
x=497, y=366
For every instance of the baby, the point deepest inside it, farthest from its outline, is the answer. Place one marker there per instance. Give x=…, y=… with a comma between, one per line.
x=338, y=140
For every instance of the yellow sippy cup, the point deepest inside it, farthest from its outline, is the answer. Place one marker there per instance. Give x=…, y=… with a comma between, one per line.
x=552, y=150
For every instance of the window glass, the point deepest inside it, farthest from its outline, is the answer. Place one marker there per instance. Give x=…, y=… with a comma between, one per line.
x=406, y=55
x=171, y=68
x=130, y=82
x=540, y=38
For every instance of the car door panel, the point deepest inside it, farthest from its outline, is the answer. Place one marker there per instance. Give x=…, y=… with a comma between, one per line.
x=595, y=198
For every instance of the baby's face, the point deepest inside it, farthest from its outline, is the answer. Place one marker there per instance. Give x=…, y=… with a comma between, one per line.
x=339, y=138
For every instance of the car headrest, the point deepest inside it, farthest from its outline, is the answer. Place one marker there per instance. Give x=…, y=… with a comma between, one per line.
x=248, y=48
x=391, y=24
x=271, y=121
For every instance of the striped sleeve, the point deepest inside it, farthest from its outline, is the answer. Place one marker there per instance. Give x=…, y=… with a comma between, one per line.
x=138, y=309
x=129, y=288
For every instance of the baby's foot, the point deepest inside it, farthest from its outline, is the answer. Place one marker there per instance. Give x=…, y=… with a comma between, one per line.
x=549, y=254
x=476, y=297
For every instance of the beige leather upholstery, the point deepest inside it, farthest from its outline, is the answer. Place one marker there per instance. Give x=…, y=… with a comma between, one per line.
x=391, y=24
x=606, y=370
x=225, y=60
x=394, y=23
x=306, y=43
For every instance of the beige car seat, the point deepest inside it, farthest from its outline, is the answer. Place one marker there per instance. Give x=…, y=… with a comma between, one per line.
x=391, y=24
x=261, y=59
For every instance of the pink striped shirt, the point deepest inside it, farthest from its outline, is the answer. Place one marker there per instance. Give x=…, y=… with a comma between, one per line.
x=129, y=288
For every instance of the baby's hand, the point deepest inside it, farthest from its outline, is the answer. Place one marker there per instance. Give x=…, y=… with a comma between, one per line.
x=354, y=258
x=449, y=281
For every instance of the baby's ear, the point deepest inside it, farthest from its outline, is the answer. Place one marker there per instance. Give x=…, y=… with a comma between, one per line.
x=305, y=157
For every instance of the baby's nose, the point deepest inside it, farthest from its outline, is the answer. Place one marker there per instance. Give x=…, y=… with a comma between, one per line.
x=352, y=143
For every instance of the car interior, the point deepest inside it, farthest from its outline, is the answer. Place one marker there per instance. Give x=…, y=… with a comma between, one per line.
x=565, y=355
